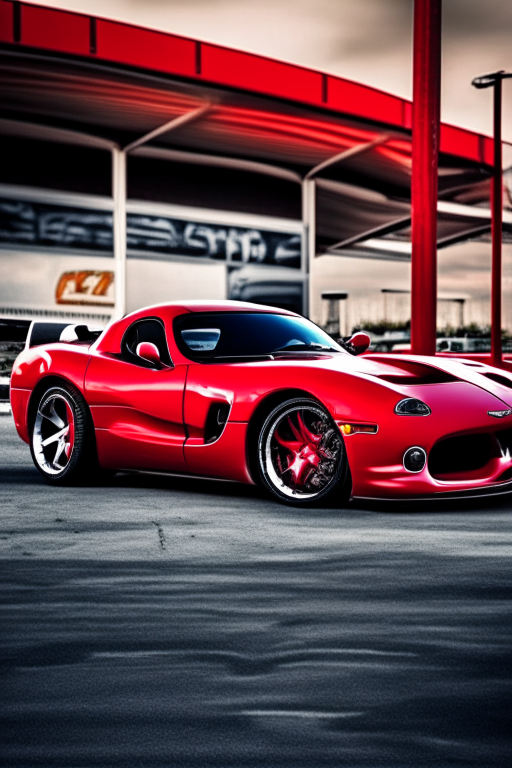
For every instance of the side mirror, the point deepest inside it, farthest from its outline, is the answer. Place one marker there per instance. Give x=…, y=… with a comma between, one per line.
x=358, y=343
x=149, y=352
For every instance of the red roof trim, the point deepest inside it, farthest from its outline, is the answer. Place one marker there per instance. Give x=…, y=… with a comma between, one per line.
x=6, y=22
x=73, y=33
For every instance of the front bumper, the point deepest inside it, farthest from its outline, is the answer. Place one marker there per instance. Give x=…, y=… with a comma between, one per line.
x=500, y=489
x=458, y=410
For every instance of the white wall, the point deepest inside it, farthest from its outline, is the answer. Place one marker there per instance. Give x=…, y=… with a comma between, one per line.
x=153, y=282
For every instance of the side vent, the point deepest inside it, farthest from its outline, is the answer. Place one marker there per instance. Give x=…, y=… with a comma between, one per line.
x=216, y=421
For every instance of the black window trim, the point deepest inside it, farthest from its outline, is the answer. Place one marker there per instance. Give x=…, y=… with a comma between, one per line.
x=134, y=359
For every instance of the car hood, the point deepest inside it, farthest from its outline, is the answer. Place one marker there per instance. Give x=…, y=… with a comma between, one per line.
x=401, y=371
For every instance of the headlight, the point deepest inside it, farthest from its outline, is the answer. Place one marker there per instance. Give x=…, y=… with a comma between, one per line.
x=412, y=407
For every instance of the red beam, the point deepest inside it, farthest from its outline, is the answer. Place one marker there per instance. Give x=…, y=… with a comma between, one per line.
x=425, y=150
x=497, y=214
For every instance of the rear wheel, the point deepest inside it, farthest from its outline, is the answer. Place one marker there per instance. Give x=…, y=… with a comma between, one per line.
x=62, y=438
x=301, y=455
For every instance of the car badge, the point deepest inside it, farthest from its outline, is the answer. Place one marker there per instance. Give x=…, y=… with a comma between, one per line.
x=500, y=414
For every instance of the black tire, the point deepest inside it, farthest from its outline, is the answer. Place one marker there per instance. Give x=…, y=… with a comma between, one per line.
x=301, y=455
x=62, y=439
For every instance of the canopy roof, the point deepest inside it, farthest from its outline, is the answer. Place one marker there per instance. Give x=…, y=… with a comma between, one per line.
x=74, y=78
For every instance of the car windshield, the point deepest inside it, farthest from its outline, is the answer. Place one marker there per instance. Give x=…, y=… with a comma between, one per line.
x=246, y=334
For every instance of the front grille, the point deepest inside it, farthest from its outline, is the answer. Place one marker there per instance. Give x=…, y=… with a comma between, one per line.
x=464, y=453
x=505, y=441
x=467, y=453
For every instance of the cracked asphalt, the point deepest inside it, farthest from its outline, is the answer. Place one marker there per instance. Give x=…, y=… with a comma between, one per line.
x=178, y=622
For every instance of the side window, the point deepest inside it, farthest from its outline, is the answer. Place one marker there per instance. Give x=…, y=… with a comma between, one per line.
x=151, y=330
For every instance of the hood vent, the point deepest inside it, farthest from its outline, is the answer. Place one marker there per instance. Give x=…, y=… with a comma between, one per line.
x=408, y=373
x=499, y=379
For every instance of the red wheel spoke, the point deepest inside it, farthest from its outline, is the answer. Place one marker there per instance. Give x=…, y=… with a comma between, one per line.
x=297, y=469
x=303, y=471
x=295, y=431
x=290, y=445
x=301, y=466
x=304, y=456
x=309, y=437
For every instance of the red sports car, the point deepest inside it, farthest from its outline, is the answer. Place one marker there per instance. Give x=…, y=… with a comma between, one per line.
x=259, y=395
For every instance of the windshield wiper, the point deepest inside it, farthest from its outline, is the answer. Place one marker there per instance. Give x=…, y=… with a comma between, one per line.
x=305, y=348
x=236, y=358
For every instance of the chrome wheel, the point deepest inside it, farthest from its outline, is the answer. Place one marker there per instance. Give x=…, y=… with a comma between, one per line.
x=53, y=437
x=301, y=452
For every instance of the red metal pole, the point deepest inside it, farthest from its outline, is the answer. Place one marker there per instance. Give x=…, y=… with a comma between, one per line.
x=425, y=149
x=497, y=213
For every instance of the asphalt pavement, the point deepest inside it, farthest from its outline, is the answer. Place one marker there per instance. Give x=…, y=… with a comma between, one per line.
x=194, y=624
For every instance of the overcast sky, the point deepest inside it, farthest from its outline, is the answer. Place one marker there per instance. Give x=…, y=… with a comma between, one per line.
x=368, y=41
x=364, y=40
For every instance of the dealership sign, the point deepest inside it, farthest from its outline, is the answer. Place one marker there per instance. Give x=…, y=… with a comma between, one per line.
x=94, y=287
x=26, y=224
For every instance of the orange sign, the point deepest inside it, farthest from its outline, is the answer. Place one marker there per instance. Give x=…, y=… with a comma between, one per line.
x=86, y=287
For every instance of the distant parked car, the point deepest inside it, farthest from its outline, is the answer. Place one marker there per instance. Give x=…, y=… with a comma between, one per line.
x=463, y=344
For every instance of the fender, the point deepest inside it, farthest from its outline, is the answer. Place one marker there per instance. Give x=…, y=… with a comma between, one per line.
x=64, y=361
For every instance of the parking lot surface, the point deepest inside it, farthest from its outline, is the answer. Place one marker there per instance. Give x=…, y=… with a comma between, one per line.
x=179, y=622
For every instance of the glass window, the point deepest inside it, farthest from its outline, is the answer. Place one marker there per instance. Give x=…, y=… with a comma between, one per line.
x=242, y=334
x=201, y=339
x=151, y=330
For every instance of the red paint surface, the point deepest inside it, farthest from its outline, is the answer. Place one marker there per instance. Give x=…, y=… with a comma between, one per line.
x=49, y=29
x=481, y=357
x=225, y=458
x=6, y=22
x=54, y=30
x=250, y=72
x=19, y=404
x=34, y=365
x=137, y=412
x=359, y=100
x=145, y=48
x=457, y=141
x=425, y=148
x=142, y=417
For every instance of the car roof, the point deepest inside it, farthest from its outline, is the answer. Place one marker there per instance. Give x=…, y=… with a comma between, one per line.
x=110, y=340
x=200, y=305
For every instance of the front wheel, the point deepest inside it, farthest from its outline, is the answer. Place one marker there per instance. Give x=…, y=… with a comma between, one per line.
x=62, y=438
x=301, y=455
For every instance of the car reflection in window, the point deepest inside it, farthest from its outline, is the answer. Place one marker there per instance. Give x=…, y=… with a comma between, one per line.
x=201, y=339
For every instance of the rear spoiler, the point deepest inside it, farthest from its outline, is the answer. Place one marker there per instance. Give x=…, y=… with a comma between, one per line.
x=49, y=333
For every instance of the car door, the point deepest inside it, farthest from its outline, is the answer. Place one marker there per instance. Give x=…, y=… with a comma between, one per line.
x=137, y=408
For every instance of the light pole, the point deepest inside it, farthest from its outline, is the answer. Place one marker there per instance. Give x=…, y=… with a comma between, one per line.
x=333, y=299
x=493, y=80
